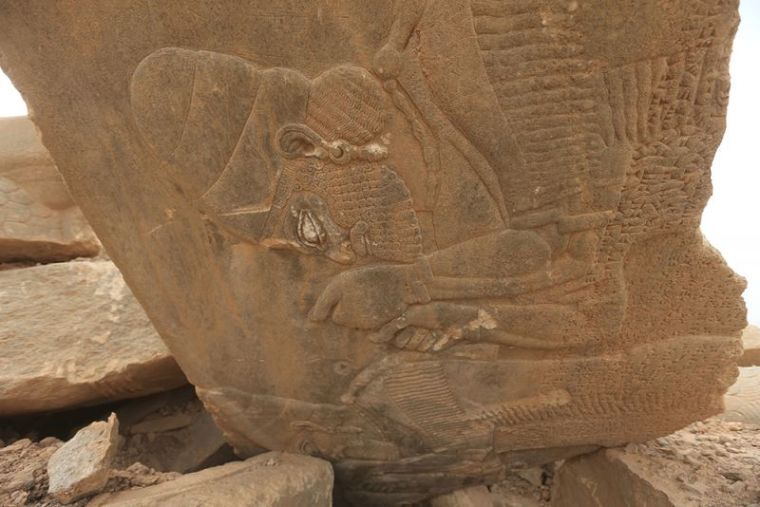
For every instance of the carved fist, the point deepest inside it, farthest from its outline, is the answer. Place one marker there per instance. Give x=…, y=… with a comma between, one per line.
x=368, y=297
x=387, y=62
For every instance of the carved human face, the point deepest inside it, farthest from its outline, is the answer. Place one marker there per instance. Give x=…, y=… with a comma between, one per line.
x=305, y=225
x=355, y=205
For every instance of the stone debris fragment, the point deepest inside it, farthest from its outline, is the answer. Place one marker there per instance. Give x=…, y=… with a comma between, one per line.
x=711, y=464
x=742, y=401
x=161, y=424
x=751, y=344
x=476, y=496
x=81, y=466
x=269, y=480
x=21, y=463
x=534, y=475
x=38, y=219
x=204, y=446
x=518, y=489
x=72, y=334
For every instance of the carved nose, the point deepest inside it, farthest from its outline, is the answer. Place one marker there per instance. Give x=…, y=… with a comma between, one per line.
x=342, y=254
x=358, y=239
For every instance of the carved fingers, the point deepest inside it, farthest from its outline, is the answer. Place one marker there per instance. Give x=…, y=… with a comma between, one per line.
x=364, y=298
x=427, y=340
x=389, y=330
x=416, y=338
x=326, y=302
x=429, y=327
x=371, y=296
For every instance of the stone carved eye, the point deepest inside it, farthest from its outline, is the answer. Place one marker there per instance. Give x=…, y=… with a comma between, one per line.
x=311, y=232
x=340, y=152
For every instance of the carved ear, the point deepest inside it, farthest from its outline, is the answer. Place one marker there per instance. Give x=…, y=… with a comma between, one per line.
x=297, y=140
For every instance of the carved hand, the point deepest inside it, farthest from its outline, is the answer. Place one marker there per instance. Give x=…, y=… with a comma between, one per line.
x=430, y=327
x=368, y=297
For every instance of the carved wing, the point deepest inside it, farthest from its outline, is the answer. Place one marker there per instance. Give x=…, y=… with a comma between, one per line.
x=635, y=140
x=670, y=112
x=552, y=96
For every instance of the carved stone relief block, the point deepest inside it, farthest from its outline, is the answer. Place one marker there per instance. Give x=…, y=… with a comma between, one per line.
x=425, y=240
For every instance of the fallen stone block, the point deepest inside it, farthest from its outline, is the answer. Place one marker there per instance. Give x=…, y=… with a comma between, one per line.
x=269, y=480
x=610, y=477
x=534, y=475
x=742, y=401
x=38, y=219
x=81, y=466
x=137, y=475
x=73, y=334
x=707, y=464
x=751, y=345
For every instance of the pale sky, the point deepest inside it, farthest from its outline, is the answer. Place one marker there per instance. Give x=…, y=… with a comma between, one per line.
x=729, y=221
x=11, y=103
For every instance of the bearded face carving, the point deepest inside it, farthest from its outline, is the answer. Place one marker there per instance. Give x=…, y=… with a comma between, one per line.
x=346, y=212
x=346, y=204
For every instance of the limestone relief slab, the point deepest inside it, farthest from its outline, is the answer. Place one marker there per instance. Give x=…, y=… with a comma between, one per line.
x=426, y=241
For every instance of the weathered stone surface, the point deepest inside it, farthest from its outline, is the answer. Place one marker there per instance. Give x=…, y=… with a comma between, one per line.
x=476, y=496
x=751, y=345
x=171, y=431
x=742, y=401
x=712, y=464
x=73, y=334
x=38, y=219
x=613, y=477
x=80, y=467
x=512, y=491
x=19, y=464
x=425, y=240
x=205, y=446
x=269, y=480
